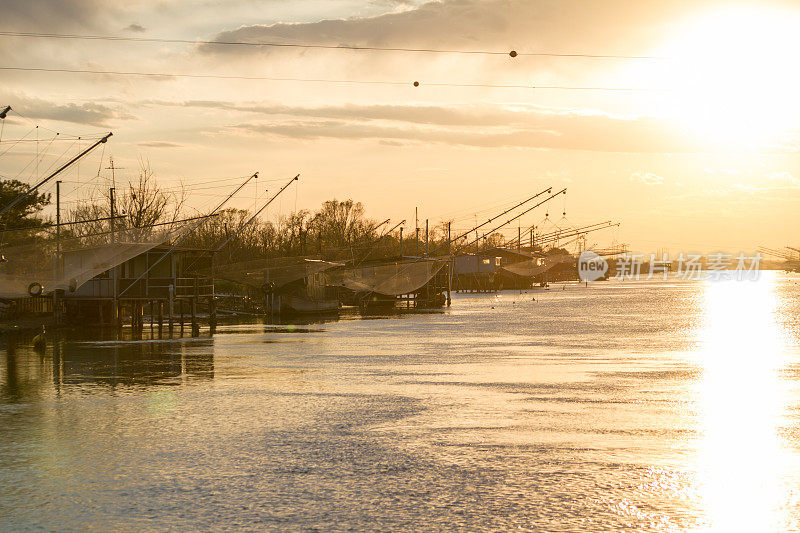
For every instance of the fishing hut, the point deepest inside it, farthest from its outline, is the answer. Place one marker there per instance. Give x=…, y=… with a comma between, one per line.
x=485, y=271
x=410, y=282
x=284, y=285
x=164, y=282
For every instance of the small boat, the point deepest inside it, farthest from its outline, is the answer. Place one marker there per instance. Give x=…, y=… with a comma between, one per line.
x=291, y=303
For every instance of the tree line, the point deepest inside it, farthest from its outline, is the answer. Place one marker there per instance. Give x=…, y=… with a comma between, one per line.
x=339, y=230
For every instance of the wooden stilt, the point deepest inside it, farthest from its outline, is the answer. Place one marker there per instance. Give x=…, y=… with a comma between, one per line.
x=212, y=313
x=195, y=326
x=171, y=307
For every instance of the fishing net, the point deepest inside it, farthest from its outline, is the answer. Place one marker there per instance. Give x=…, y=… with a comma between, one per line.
x=392, y=279
x=45, y=263
x=536, y=266
x=274, y=273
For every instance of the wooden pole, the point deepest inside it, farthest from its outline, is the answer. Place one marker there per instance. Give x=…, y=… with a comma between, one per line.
x=56, y=266
x=160, y=319
x=416, y=231
x=449, y=266
x=427, y=247
x=212, y=302
x=194, y=308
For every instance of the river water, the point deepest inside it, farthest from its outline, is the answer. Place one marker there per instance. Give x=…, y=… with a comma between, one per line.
x=648, y=405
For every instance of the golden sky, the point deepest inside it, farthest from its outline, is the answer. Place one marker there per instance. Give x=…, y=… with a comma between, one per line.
x=701, y=156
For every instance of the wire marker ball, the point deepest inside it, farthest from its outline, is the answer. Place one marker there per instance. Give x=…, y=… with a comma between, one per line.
x=416, y=84
x=513, y=53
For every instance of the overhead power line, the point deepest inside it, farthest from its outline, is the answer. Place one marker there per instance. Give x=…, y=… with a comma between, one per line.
x=323, y=80
x=512, y=53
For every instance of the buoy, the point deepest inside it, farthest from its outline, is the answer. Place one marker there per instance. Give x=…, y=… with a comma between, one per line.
x=35, y=289
x=39, y=341
x=416, y=84
x=513, y=53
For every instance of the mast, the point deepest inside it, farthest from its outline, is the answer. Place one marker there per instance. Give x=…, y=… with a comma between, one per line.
x=252, y=218
x=489, y=221
x=515, y=217
x=63, y=167
x=186, y=234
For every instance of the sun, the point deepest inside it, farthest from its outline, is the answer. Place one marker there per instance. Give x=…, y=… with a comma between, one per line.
x=730, y=76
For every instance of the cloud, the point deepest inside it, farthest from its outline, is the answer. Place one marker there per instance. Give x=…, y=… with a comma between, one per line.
x=781, y=180
x=785, y=178
x=465, y=115
x=159, y=144
x=91, y=114
x=648, y=178
x=500, y=137
x=531, y=128
x=482, y=125
x=135, y=28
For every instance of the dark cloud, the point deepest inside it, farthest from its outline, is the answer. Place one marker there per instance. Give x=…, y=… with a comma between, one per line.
x=528, y=25
x=90, y=114
x=135, y=28
x=51, y=15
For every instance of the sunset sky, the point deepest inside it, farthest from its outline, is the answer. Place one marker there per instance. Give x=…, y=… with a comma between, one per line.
x=696, y=151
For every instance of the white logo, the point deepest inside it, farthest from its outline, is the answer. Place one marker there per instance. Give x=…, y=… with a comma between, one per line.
x=591, y=266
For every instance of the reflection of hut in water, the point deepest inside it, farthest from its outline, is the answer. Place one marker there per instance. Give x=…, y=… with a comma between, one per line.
x=133, y=363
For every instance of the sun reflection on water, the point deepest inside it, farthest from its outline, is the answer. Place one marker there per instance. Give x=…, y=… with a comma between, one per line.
x=742, y=402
